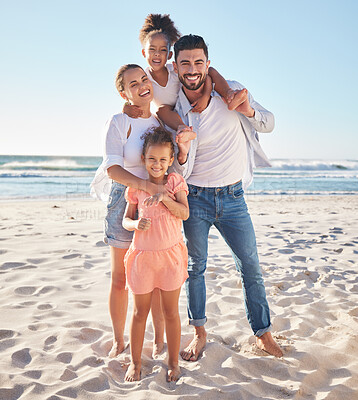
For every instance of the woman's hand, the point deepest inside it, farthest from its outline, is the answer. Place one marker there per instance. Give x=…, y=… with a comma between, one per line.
x=153, y=200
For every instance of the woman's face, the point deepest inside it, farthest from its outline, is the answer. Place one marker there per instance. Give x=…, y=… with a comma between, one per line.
x=138, y=89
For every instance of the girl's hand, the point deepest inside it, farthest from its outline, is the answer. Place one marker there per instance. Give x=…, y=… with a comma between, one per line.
x=132, y=111
x=143, y=224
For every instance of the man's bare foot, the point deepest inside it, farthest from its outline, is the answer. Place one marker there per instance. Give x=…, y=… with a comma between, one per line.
x=116, y=349
x=196, y=346
x=238, y=97
x=173, y=373
x=267, y=343
x=133, y=373
x=157, y=349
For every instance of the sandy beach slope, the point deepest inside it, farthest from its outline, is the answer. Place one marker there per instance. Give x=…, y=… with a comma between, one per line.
x=55, y=329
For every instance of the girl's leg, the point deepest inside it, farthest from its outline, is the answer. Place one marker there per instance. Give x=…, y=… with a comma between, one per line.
x=139, y=318
x=173, y=331
x=158, y=323
x=118, y=300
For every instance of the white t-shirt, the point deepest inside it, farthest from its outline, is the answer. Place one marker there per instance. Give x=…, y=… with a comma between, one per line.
x=165, y=94
x=122, y=151
x=221, y=155
x=224, y=151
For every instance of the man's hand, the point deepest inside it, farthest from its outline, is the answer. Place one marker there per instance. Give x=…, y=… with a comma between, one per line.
x=143, y=224
x=238, y=100
x=132, y=111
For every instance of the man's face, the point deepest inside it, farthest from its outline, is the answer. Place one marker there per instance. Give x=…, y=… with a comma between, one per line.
x=192, y=68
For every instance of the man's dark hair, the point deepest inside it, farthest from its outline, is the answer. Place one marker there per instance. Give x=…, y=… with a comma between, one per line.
x=190, y=42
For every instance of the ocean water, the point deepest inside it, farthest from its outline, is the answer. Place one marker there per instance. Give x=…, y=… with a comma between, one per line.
x=32, y=177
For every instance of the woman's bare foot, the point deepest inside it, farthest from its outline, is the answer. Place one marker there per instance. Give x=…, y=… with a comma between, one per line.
x=196, y=346
x=116, y=349
x=133, y=373
x=173, y=373
x=157, y=349
x=267, y=343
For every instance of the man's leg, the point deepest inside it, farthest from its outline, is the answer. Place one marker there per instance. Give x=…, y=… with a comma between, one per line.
x=196, y=229
x=235, y=225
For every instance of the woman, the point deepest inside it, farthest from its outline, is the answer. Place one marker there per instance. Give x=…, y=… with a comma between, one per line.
x=122, y=166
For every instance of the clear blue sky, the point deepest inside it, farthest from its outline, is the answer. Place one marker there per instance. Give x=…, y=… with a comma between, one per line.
x=59, y=58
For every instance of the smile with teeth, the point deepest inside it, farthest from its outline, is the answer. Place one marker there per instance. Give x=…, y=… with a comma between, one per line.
x=192, y=78
x=145, y=93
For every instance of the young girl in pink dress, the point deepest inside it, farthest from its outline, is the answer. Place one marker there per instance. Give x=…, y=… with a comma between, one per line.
x=157, y=257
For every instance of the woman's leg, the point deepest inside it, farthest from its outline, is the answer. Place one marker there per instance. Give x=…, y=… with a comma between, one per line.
x=158, y=323
x=118, y=300
x=173, y=331
x=139, y=318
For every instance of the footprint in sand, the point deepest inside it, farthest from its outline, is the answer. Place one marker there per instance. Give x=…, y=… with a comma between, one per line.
x=101, y=244
x=98, y=384
x=6, y=334
x=65, y=357
x=299, y=258
x=68, y=375
x=38, y=327
x=21, y=358
x=70, y=256
x=286, y=251
x=11, y=394
x=11, y=265
x=25, y=290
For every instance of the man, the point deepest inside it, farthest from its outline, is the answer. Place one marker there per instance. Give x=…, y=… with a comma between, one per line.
x=219, y=165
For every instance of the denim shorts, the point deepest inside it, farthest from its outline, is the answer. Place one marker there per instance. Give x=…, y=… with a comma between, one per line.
x=114, y=233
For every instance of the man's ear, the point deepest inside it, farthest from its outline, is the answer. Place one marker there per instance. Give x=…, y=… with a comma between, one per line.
x=170, y=55
x=123, y=95
x=207, y=66
x=175, y=67
x=143, y=53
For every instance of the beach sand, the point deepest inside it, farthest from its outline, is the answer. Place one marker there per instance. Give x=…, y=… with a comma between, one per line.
x=55, y=329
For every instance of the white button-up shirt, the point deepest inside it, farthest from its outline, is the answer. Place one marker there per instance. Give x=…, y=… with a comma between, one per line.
x=227, y=147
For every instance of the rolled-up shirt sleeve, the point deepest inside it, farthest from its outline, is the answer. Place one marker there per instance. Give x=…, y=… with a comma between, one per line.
x=114, y=139
x=115, y=136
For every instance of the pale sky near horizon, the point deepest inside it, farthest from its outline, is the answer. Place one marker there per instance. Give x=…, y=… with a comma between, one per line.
x=59, y=60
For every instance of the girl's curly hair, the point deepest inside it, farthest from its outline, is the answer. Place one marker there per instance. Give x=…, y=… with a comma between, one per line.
x=157, y=135
x=159, y=23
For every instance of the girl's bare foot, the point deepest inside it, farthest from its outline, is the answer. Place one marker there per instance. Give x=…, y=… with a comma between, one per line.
x=157, y=349
x=267, y=343
x=116, y=349
x=133, y=373
x=173, y=373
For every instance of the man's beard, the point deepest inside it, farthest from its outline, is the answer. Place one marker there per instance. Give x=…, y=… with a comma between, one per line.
x=194, y=85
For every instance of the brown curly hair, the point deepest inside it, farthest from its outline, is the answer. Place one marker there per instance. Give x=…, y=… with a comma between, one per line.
x=159, y=23
x=157, y=135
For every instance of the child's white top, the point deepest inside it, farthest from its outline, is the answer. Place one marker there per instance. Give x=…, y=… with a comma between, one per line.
x=165, y=94
x=122, y=151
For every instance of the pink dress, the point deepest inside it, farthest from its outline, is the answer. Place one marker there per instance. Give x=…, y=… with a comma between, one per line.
x=158, y=257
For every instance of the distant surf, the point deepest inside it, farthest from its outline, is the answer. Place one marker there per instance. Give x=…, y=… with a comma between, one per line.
x=64, y=176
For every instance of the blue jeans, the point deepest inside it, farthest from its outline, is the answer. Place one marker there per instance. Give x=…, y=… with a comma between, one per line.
x=225, y=208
